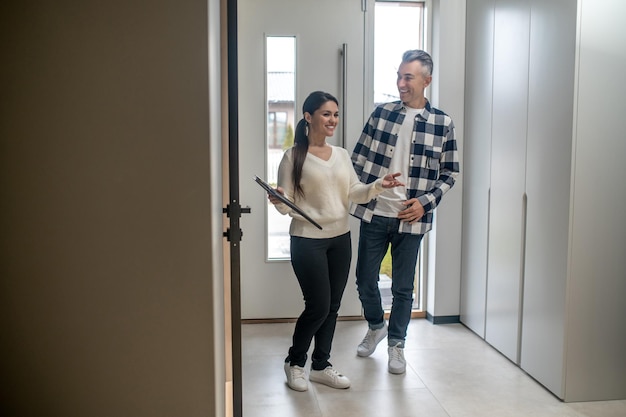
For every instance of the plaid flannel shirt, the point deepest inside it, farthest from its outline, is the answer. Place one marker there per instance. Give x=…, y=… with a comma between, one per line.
x=433, y=162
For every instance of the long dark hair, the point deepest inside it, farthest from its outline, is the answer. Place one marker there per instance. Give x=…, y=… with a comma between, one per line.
x=314, y=101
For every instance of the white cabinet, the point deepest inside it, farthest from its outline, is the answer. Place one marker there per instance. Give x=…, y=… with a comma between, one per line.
x=548, y=184
x=476, y=161
x=543, y=271
x=508, y=170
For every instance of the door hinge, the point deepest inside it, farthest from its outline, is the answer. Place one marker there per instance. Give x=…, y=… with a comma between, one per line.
x=234, y=211
x=363, y=5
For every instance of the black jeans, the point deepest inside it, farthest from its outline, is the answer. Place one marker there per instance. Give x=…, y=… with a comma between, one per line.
x=322, y=267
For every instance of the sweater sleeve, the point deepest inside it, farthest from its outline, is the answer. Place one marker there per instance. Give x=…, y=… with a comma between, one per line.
x=285, y=180
x=361, y=193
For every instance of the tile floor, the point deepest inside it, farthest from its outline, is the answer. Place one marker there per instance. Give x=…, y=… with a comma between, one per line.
x=451, y=372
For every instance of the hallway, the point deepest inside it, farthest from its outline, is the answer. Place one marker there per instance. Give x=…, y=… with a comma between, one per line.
x=451, y=372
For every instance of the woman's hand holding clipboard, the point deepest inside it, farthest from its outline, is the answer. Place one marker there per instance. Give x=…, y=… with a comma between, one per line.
x=283, y=199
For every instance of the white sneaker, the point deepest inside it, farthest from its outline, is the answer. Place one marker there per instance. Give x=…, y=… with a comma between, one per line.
x=397, y=363
x=371, y=340
x=296, y=377
x=330, y=377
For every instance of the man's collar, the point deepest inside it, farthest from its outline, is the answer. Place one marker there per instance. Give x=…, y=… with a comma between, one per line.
x=423, y=114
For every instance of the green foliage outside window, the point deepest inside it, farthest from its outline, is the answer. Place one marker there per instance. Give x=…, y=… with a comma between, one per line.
x=385, y=266
x=288, y=141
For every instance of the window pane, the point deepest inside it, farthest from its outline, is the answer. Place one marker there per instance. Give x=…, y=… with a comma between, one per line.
x=280, y=92
x=398, y=27
x=277, y=129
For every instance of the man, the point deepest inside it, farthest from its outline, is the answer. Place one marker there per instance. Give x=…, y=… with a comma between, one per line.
x=411, y=137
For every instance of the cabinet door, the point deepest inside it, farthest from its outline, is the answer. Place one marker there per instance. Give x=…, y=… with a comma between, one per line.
x=477, y=156
x=551, y=95
x=508, y=171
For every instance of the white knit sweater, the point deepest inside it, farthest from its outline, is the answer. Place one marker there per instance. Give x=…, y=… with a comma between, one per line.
x=328, y=187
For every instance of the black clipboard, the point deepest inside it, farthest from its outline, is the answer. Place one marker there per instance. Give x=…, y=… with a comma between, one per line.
x=282, y=198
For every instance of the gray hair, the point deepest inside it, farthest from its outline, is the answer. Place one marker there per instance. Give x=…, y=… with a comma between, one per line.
x=422, y=56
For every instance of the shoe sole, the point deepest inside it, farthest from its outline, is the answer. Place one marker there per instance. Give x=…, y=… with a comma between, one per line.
x=327, y=383
x=397, y=372
x=297, y=389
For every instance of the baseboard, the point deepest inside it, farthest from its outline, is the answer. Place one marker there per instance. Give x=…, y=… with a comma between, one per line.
x=443, y=319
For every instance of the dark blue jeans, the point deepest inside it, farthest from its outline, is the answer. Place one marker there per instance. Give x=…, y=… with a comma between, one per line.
x=322, y=267
x=374, y=239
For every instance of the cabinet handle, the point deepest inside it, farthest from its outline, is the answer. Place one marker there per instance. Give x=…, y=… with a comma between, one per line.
x=522, y=273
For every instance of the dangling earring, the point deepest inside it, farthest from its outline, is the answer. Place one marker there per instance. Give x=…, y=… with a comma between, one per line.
x=306, y=129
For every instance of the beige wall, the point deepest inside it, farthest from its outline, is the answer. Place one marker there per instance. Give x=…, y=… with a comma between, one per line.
x=105, y=281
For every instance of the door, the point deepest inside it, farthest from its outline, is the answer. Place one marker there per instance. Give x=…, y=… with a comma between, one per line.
x=327, y=51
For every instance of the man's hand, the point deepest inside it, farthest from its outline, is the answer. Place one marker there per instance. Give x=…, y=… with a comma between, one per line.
x=413, y=211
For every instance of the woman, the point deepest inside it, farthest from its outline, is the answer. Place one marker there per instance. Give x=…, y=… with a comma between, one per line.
x=320, y=179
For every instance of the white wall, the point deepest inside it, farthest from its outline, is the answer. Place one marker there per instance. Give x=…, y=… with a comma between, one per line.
x=444, y=284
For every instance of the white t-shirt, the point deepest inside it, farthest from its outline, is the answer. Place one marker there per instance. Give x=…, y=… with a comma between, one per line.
x=390, y=201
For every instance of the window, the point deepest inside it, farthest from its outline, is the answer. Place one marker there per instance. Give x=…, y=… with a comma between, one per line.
x=398, y=27
x=276, y=129
x=280, y=94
